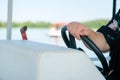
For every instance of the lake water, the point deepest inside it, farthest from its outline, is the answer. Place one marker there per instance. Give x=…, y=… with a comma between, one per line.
x=38, y=35
x=42, y=35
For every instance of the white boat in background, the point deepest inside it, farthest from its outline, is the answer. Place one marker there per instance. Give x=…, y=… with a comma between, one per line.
x=55, y=30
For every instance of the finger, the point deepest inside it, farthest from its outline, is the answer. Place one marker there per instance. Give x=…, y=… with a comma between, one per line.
x=77, y=35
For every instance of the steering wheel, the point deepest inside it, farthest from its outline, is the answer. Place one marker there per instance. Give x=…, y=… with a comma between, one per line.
x=70, y=43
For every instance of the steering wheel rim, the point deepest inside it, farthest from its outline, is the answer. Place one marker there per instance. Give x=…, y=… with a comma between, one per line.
x=72, y=44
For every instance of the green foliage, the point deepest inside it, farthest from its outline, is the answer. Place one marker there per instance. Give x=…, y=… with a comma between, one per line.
x=95, y=24
x=32, y=24
x=29, y=24
x=2, y=24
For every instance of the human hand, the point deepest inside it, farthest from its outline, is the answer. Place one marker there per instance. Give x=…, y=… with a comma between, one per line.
x=77, y=29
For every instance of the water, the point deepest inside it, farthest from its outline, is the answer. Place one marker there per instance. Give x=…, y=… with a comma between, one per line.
x=38, y=35
x=42, y=35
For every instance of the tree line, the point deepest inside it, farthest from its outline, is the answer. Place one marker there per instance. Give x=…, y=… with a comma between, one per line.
x=95, y=24
x=28, y=23
x=92, y=24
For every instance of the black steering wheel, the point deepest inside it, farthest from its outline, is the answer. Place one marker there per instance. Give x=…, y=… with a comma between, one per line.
x=70, y=43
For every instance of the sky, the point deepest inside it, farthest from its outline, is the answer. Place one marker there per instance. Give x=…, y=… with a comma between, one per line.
x=58, y=10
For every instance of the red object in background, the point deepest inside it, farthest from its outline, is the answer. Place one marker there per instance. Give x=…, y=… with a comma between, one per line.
x=59, y=24
x=23, y=32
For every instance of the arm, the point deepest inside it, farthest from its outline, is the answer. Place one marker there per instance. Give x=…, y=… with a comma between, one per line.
x=77, y=29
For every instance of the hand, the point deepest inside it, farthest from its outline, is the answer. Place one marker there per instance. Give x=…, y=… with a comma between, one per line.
x=77, y=29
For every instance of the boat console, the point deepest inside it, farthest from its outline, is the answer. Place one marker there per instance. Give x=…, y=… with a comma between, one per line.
x=28, y=60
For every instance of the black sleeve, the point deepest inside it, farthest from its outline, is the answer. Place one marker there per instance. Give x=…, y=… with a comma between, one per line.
x=109, y=34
